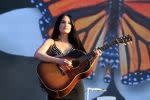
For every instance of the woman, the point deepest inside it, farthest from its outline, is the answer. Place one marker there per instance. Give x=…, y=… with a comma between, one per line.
x=63, y=41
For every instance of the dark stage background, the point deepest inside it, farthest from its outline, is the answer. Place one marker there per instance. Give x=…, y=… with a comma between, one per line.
x=18, y=78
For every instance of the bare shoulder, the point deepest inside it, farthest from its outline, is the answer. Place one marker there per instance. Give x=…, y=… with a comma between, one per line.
x=49, y=41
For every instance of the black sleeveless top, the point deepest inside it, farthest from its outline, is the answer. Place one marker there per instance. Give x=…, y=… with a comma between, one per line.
x=54, y=51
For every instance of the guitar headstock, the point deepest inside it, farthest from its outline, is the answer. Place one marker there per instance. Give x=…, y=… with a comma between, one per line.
x=124, y=39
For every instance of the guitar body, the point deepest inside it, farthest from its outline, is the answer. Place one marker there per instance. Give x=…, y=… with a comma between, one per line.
x=59, y=83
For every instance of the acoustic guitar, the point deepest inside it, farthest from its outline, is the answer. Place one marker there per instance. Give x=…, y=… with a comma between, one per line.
x=60, y=83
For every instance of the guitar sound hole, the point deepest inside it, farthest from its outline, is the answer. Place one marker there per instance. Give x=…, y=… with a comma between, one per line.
x=75, y=63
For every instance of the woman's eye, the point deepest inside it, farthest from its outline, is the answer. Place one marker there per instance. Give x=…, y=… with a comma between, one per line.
x=65, y=22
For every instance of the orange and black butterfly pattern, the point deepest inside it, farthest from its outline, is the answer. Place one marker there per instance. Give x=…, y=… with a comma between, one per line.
x=98, y=22
x=135, y=61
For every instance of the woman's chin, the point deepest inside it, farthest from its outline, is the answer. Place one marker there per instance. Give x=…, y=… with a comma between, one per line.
x=65, y=32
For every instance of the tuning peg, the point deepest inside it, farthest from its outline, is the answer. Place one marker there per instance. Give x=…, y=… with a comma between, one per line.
x=125, y=43
x=130, y=42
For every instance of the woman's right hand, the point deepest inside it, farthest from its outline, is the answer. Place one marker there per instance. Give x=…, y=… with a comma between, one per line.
x=64, y=64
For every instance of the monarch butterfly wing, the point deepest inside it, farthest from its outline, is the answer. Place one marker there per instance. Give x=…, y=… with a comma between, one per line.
x=135, y=58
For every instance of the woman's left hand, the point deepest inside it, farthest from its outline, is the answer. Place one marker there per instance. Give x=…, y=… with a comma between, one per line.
x=98, y=52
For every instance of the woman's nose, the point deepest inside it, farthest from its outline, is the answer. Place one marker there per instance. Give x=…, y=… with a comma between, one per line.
x=66, y=24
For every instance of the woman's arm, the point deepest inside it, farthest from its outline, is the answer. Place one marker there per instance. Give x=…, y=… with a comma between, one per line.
x=42, y=55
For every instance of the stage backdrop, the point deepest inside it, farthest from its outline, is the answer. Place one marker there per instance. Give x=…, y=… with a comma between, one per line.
x=25, y=24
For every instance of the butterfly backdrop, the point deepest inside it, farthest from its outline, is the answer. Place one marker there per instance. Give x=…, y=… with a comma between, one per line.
x=97, y=23
x=100, y=21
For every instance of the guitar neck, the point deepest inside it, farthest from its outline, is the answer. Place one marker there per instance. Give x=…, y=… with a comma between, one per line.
x=106, y=46
x=123, y=39
x=103, y=48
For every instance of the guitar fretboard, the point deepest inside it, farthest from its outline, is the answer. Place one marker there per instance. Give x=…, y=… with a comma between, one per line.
x=123, y=39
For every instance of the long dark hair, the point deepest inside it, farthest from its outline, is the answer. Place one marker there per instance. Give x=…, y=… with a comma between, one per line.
x=72, y=36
